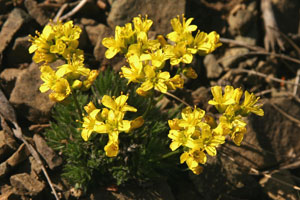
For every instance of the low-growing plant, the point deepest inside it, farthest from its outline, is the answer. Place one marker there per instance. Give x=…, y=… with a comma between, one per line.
x=117, y=132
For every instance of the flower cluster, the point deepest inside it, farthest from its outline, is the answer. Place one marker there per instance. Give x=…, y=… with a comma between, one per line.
x=147, y=57
x=200, y=134
x=109, y=120
x=56, y=41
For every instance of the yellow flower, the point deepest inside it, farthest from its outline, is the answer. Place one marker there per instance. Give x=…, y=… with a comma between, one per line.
x=134, y=73
x=191, y=118
x=112, y=148
x=73, y=69
x=220, y=101
x=141, y=25
x=192, y=159
x=178, y=138
x=124, y=36
x=91, y=121
x=156, y=80
x=119, y=104
x=205, y=43
x=60, y=90
x=136, y=123
x=157, y=58
x=190, y=73
x=143, y=93
x=90, y=79
x=49, y=78
x=180, y=29
x=178, y=53
x=249, y=105
x=175, y=82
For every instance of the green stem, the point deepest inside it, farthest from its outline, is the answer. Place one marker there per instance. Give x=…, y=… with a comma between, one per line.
x=149, y=106
x=77, y=104
x=170, y=154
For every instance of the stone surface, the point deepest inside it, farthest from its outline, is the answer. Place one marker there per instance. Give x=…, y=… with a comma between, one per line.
x=27, y=98
x=94, y=32
x=99, y=50
x=4, y=169
x=25, y=184
x=275, y=189
x=8, y=79
x=52, y=159
x=213, y=69
x=7, y=193
x=11, y=26
x=36, y=12
x=275, y=132
x=19, y=156
x=19, y=52
x=7, y=145
x=161, y=12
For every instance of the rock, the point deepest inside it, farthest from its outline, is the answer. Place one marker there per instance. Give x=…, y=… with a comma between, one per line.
x=287, y=11
x=223, y=178
x=213, y=69
x=201, y=96
x=94, y=32
x=19, y=156
x=99, y=50
x=35, y=167
x=4, y=169
x=161, y=12
x=4, y=6
x=19, y=53
x=13, y=23
x=8, y=78
x=27, y=98
x=275, y=132
x=25, y=184
x=231, y=57
x=52, y=159
x=275, y=189
x=7, y=193
x=242, y=21
x=7, y=145
x=36, y=12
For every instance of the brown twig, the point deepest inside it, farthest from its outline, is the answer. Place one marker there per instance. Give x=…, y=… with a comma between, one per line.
x=256, y=53
x=18, y=133
x=256, y=172
x=178, y=99
x=8, y=113
x=252, y=72
x=74, y=10
x=60, y=12
x=243, y=44
x=293, y=119
x=296, y=83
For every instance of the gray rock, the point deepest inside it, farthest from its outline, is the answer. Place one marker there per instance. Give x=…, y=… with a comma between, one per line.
x=161, y=12
x=4, y=169
x=19, y=53
x=52, y=159
x=8, y=78
x=28, y=99
x=7, y=145
x=99, y=50
x=242, y=21
x=26, y=184
x=213, y=69
x=276, y=190
x=13, y=23
x=36, y=12
x=275, y=132
x=8, y=193
x=4, y=6
x=19, y=156
x=94, y=32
